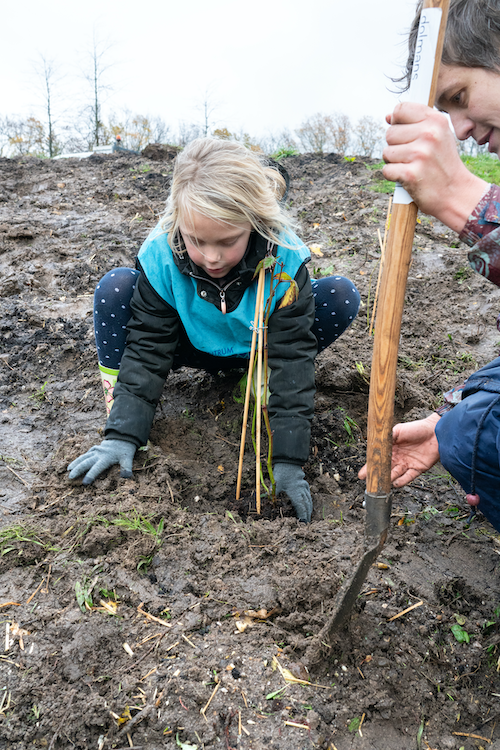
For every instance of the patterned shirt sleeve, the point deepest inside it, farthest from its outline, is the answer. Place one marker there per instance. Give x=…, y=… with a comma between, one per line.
x=451, y=397
x=482, y=234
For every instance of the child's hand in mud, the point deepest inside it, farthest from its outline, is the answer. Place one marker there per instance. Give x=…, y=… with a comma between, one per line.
x=290, y=479
x=414, y=450
x=101, y=457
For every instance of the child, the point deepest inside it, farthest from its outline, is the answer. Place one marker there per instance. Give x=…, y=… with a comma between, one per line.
x=421, y=153
x=192, y=301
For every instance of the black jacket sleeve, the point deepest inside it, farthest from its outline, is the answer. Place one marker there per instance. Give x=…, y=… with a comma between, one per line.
x=153, y=333
x=292, y=348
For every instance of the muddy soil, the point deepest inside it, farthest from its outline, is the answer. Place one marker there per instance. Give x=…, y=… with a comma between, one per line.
x=155, y=612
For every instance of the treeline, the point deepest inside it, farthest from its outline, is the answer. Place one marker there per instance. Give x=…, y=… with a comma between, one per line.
x=319, y=133
x=83, y=127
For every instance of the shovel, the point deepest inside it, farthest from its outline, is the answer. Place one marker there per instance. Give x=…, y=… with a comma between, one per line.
x=387, y=330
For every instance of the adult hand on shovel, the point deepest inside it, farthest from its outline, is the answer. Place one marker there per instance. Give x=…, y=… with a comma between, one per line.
x=414, y=450
x=421, y=154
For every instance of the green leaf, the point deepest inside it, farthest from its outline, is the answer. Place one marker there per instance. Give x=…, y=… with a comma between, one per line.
x=460, y=634
x=276, y=693
x=82, y=596
x=354, y=724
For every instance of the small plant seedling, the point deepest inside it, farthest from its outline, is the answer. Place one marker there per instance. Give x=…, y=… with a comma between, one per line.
x=362, y=372
x=323, y=271
x=35, y=710
x=83, y=593
x=276, y=693
x=17, y=533
x=283, y=152
x=40, y=395
x=461, y=635
x=463, y=273
x=354, y=724
x=350, y=426
x=136, y=522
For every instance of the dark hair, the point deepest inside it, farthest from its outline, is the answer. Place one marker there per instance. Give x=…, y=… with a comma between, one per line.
x=472, y=37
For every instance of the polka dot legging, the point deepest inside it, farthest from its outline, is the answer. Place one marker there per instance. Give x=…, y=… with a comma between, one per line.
x=336, y=305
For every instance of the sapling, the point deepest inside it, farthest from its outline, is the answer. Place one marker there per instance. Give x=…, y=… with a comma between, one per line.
x=258, y=369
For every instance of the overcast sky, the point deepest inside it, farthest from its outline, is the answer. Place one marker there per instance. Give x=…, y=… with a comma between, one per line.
x=268, y=64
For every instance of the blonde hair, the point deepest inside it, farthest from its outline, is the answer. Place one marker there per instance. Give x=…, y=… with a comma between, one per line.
x=225, y=181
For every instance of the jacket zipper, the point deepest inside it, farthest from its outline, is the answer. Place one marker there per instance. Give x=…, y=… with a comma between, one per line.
x=223, y=301
x=222, y=292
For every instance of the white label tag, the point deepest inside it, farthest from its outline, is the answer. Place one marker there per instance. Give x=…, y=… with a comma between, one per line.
x=421, y=76
x=401, y=195
x=425, y=52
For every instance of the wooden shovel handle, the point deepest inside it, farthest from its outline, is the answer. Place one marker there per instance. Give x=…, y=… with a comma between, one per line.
x=388, y=320
x=385, y=348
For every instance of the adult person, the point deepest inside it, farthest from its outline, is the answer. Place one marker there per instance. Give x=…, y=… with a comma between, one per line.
x=119, y=147
x=421, y=154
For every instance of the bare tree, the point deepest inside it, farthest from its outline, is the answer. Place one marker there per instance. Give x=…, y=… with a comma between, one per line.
x=95, y=75
x=369, y=133
x=47, y=71
x=314, y=133
x=339, y=129
x=161, y=132
x=187, y=133
x=207, y=107
x=274, y=143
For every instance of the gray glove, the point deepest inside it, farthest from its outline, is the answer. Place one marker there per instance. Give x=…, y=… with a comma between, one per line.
x=289, y=478
x=101, y=457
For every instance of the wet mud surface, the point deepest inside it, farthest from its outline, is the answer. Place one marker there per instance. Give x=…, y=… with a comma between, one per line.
x=158, y=612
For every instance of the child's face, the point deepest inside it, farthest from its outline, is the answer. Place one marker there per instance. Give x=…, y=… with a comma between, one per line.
x=214, y=246
x=471, y=96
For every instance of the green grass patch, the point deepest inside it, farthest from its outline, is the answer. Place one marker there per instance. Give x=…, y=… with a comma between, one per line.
x=380, y=186
x=484, y=166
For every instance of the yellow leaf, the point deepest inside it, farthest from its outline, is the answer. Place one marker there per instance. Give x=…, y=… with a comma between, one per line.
x=316, y=225
x=126, y=716
x=316, y=249
x=290, y=295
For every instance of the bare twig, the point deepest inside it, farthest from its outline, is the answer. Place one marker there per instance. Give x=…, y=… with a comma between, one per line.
x=382, y=255
x=405, y=611
x=17, y=475
x=203, y=710
x=258, y=305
